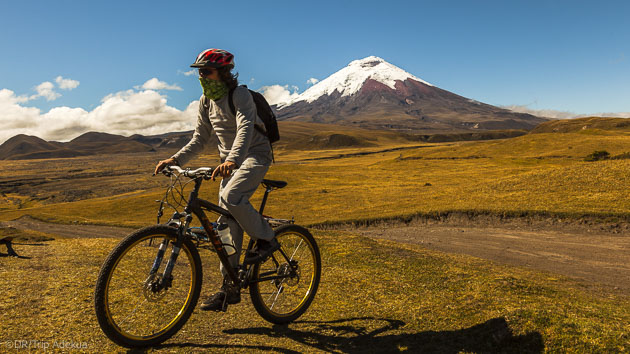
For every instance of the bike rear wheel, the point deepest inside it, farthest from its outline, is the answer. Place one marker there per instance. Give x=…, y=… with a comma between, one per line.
x=131, y=308
x=288, y=296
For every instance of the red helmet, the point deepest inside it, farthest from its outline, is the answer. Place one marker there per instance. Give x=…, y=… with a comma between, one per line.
x=213, y=58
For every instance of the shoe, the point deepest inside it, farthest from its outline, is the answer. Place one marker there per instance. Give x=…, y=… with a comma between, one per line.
x=262, y=250
x=228, y=294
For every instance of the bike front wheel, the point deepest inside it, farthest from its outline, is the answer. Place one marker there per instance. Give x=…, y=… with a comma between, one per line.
x=283, y=287
x=136, y=307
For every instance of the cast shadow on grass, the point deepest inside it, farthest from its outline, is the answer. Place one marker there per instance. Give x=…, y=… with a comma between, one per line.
x=222, y=347
x=353, y=336
x=11, y=252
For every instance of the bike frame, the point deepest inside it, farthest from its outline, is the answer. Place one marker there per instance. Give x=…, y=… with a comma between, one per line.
x=196, y=206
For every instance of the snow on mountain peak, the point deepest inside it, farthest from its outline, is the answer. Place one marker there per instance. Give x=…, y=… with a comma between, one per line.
x=350, y=79
x=368, y=62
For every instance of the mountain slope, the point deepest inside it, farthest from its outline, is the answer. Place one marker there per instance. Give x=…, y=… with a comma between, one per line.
x=103, y=143
x=609, y=125
x=23, y=146
x=372, y=93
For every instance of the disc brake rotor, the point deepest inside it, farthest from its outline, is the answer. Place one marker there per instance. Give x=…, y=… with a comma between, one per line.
x=152, y=290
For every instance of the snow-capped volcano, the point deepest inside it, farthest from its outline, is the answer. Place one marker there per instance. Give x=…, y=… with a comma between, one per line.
x=350, y=79
x=373, y=93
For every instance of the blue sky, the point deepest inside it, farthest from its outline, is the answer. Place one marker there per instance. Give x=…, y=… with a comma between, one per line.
x=568, y=56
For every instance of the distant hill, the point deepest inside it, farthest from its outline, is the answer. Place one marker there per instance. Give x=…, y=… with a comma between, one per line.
x=316, y=136
x=93, y=143
x=579, y=124
x=166, y=140
x=294, y=136
x=372, y=93
x=23, y=147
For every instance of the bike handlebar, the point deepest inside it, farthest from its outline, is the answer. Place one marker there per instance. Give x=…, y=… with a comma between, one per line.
x=205, y=172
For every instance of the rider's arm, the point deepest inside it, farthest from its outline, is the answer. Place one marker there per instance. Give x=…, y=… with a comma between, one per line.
x=201, y=137
x=245, y=120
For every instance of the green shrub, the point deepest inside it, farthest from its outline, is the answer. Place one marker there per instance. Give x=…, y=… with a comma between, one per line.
x=598, y=155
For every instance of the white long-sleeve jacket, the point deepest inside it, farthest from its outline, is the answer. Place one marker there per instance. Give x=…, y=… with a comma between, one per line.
x=236, y=134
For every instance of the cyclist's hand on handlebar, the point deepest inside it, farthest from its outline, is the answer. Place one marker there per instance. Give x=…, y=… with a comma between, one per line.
x=162, y=164
x=224, y=169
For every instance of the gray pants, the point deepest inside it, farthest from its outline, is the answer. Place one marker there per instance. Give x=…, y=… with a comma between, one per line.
x=234, y=194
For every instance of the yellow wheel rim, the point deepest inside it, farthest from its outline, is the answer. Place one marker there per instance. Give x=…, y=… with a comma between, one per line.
x=129, y=310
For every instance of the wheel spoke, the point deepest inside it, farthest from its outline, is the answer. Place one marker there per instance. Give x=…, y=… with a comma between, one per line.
x=136, y=309
x=276, y=298
x=132, y=312
x=296, y=248
x=269, y=299
x=286, y=298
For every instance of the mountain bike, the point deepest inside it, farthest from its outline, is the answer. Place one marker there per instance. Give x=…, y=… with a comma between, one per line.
x=150, y=283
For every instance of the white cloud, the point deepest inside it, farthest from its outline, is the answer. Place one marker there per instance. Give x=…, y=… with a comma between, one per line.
x=547, y=113
x=129, y=112
x=276, y=94
x=46, y=90
x=13, y=116
x=155, y=84
x=190, y=72
x=607, y=114
x=551, y=113
x=312, y=81
x=66, y=84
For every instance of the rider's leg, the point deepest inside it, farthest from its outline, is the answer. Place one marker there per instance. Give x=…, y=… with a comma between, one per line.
x=228, y=293
x=237, y=190
x=236, y=232
x=234, y=194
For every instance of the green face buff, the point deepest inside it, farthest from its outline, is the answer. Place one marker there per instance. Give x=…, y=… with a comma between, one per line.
x=213, y=89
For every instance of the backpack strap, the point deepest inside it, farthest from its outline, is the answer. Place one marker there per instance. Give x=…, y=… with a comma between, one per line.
x=230, y=101
x=258, y=128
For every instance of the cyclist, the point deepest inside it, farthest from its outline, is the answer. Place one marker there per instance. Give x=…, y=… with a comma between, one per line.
x=245, y=158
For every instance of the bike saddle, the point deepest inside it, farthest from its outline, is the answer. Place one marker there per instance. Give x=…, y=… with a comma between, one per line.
x=273, y=184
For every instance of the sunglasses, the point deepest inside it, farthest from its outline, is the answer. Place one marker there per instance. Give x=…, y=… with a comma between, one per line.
x=206, y=71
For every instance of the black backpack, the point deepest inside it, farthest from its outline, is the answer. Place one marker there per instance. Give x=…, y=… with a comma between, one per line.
x=264, y=112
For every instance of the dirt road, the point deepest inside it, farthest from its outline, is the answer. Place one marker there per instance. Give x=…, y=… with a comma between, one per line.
x=590, y=255
x=91, y=231
x=594, y=257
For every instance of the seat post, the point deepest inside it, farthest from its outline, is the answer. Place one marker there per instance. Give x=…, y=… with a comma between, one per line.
x=264, y=201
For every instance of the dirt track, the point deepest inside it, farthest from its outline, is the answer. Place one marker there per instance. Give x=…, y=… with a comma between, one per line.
x=90, y=231
x=586, y=254
x=594, y=257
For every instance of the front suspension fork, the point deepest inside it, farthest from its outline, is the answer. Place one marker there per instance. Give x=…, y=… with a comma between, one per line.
x=167, y=278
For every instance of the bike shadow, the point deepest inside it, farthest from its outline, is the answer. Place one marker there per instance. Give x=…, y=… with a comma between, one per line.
x=353, y=335
x=223, y=347
x=10, y=252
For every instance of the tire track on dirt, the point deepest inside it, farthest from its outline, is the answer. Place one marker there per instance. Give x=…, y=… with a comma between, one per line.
x=597, y=258
x=63, y=230
x=594, y=257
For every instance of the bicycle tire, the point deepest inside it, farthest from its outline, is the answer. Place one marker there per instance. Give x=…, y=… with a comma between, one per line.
x=102, y=291
x=257, y=289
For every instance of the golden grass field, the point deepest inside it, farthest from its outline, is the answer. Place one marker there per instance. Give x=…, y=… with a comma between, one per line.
x=375, y=295
x=537, y=173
